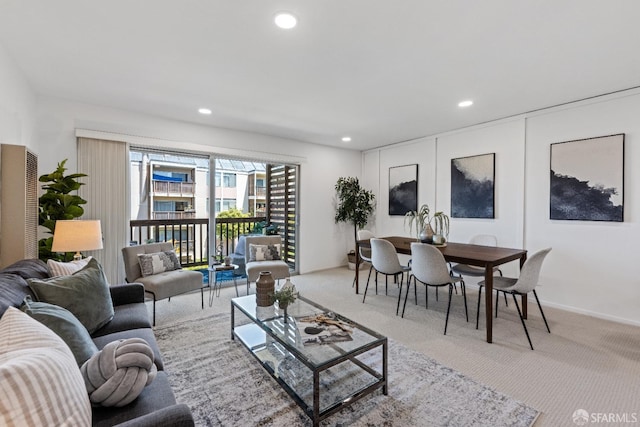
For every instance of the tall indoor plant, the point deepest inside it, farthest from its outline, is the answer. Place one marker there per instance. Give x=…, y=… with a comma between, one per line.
x=57, y=203
x=355, y=204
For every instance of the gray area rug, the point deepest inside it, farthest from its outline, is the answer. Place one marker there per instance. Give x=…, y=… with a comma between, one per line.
x=224, y=385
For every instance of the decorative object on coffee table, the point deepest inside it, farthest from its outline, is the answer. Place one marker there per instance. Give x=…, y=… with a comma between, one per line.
x=284, y=296
x=265, y=287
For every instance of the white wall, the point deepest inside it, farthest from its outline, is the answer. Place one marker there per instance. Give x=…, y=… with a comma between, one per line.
x=591, y=268
x=322, y=243
x=593, y=265
x=17, y=104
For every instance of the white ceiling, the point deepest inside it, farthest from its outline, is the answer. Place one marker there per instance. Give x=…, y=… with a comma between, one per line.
x=381, y=71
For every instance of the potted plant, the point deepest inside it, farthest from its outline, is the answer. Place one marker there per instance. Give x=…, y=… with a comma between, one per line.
x=425, y=230
x=354, y=205
x=56, y=203
x=286, y=295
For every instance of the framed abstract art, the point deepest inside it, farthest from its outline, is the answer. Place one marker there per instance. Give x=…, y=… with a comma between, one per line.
x=587, y=179
x=403, y=189
x=473, y=186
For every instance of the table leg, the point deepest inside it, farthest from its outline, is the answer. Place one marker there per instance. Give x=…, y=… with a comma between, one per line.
x=384, y=368
x=233, y=313
x=523, y=298
x=316, y=398
x=488, y=300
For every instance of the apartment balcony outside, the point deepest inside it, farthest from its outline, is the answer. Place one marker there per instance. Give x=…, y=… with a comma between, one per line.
x=173, y=189
x=258, y=192
x=190, y=237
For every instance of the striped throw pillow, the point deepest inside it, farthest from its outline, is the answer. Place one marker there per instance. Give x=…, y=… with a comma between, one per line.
x=40, y=382
x=58, y=268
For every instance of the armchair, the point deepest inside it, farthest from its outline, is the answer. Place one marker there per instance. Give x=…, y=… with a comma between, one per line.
x=278, y=268
x=162, y=285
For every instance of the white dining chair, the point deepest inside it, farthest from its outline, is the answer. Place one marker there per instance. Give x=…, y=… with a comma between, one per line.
x=430, y=268
x=527, y=282
x=365, y=254
x=384, y=260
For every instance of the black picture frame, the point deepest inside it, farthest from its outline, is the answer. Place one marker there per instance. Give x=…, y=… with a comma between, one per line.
x=403, y=189
x=587, y=179
x=473, y=186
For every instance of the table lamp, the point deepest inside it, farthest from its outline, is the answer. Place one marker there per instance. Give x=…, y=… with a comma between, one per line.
x=76, y=236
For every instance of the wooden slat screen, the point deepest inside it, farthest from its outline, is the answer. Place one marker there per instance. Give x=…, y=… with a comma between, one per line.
x=281, y=206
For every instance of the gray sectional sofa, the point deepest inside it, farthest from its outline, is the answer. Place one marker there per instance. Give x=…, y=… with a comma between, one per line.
x=156, y=405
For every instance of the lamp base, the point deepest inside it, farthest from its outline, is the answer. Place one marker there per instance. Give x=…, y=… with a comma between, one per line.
x=77, y=256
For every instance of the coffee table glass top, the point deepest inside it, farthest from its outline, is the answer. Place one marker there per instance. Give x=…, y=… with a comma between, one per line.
x=315, y=346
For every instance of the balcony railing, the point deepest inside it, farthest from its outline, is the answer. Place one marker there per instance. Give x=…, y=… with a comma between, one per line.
x=170, y=188
x=190, y=237
x=173, y=215
x=258, y=192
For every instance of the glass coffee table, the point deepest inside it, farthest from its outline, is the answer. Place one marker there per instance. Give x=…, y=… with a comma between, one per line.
x=324, y=361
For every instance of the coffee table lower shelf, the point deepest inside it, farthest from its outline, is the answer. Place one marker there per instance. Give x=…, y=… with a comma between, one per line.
x=343, y=381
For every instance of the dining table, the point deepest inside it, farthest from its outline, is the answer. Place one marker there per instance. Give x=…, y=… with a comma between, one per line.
x=486, y=257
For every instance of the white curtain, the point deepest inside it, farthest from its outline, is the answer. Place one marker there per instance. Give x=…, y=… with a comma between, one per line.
x=106, y=191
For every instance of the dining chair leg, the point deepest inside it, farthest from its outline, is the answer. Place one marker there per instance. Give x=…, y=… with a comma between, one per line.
x=426, y=295
x=478, y=311
x=522, y=320
x=400, y=294
x=464, y=295
x=407, y=294
x=415, y=292
x=446, y=322
x=497, y=301
x=541, y=312
x=365, y=290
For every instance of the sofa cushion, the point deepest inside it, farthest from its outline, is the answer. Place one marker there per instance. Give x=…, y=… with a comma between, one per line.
x=28, y=269
x=58, y=268
x=125, y=317
x=154, y=397
x=116, y=375
x=13, y=290
x=158, y=262
x=85, y=294
x=65, y=325
x=40, y=383
x=263, y=252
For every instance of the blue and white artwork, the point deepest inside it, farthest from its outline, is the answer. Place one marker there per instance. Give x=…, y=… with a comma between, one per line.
x=472, y=186
x=587, y=179
x=403, y=189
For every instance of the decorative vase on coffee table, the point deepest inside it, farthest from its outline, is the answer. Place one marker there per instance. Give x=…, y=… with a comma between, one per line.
x=265, y=286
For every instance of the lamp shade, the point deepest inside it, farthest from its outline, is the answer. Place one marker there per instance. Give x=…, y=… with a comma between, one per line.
x=77, y=235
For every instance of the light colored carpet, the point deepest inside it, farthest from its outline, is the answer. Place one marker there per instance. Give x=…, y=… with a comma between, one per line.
x=585, y=363
x=225, y=386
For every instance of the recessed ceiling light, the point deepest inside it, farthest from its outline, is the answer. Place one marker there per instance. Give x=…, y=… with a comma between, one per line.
x=346, y=139
x=204, y=111
x=286, y=20
x=467, y=103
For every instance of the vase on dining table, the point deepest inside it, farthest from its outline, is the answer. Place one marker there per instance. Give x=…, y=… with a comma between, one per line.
x=426, y=235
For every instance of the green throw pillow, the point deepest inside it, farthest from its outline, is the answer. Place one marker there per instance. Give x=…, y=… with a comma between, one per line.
x=85, y=294
x=65, y=325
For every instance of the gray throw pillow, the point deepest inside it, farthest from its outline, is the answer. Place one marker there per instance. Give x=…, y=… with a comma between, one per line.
x=85, y=294
x=65, y=325
x=158, y=262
